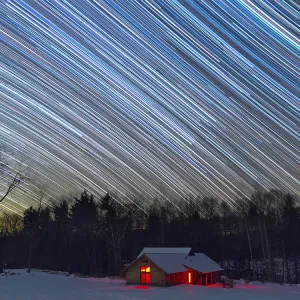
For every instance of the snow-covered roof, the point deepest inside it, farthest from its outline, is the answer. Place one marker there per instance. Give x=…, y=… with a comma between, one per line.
x=169, y=262
x=147, y=250
x=173, y=260
x=202, y=263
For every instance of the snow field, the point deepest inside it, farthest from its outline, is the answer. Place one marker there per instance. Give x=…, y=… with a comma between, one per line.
x=44, y=286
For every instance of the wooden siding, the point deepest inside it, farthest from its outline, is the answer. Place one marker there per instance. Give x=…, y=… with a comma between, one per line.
x=157, y=276
x=177, y=278
x=203, y=278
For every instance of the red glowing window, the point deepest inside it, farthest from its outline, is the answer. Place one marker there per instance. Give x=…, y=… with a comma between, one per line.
x=145, y=269
x=190, y=277
x=145, y=278
x=145, y=274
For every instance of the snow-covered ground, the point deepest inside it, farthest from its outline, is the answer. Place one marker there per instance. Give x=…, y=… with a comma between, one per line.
x=44, y=286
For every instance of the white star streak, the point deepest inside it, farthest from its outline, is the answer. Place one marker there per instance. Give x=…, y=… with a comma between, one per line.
x=151, y=97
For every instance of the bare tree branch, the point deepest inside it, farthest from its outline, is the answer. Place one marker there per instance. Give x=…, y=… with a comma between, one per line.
x=14, y=172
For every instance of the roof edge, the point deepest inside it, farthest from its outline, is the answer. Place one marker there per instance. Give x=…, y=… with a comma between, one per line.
x=149, y=259
x=219, y=270
x=189, y=250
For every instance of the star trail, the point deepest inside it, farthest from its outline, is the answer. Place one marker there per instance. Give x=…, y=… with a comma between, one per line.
x=153, y=98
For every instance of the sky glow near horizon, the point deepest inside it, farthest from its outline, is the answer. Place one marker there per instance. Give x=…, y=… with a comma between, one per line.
x=151, y=97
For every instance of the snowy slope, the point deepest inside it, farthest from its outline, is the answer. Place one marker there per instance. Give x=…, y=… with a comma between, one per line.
x=43, y=286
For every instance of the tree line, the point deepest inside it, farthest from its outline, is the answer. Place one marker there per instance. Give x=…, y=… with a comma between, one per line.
x=257, y=239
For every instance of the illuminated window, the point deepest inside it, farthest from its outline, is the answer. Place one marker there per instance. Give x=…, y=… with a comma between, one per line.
x=145, y=269
x=145, y=274
x=190, y=277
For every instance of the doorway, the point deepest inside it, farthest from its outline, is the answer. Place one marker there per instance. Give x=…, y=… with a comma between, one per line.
x=145, y=275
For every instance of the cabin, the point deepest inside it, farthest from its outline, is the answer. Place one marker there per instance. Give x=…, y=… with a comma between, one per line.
x=171, y=266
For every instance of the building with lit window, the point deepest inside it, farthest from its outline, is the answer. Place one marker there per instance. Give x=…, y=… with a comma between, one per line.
x=170, y=266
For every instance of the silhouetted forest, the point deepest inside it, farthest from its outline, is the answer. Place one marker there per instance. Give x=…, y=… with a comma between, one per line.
x=256, y=239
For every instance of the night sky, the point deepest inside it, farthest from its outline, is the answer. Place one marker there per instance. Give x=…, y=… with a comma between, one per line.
x=153, y=98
